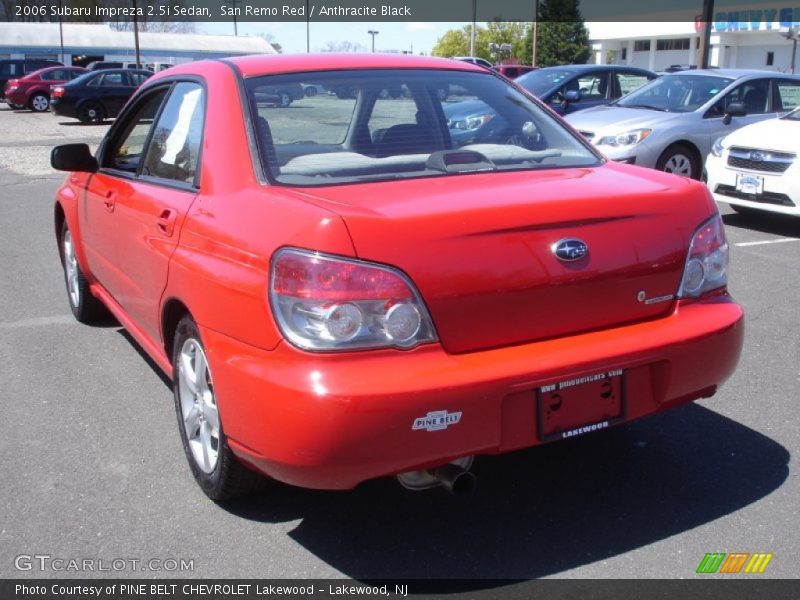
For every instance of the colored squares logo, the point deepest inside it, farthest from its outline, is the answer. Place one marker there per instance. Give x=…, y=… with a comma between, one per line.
x=734, y=563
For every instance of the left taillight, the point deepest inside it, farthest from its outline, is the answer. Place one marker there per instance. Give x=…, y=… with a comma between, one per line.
x=706, y=266
x=57, y=91
x=12, y=85
x=324, y=302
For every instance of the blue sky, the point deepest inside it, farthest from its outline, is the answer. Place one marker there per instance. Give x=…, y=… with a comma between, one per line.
x=292, y=36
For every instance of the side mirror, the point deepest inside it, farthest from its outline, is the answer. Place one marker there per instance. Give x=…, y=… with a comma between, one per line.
x=73, y=157
x=735, y=109
x=572, y=96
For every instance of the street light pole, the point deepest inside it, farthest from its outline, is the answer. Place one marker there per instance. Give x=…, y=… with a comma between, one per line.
x=793, y=34
x=308, y=30
x=705, y=39
x=373, y=33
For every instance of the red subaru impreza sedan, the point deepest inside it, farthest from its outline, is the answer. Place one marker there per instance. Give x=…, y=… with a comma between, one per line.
x=350, y=287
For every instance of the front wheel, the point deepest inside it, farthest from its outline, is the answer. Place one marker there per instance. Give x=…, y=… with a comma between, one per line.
x=85, y=307
x=680, y=160
x=215, y=468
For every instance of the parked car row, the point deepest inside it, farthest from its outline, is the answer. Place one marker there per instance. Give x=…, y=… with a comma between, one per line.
x=88, y=95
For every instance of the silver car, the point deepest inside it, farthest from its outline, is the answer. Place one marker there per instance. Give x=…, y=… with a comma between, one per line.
x=671, y=123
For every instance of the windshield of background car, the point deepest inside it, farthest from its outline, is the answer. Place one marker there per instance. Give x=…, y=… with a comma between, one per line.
x=676, y=93
x=541, y=80
x=366, y=125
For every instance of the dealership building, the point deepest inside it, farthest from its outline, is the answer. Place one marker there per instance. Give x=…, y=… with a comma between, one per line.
x=759, y=42
x=84, y=43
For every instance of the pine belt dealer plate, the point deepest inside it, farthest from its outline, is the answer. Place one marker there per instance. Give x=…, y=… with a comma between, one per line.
x=581, y=405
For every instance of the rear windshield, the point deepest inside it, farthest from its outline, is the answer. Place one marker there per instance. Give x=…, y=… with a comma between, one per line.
x=366, y=125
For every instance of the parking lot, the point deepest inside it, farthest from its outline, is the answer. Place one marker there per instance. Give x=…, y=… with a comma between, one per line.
x=93, y=467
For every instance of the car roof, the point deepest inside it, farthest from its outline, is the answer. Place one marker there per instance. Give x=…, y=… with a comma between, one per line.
x=254, y=65
x=38, y=72
x=731, y=73
x=581, y=68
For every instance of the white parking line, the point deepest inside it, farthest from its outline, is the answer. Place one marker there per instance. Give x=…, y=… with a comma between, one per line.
x=762, y=242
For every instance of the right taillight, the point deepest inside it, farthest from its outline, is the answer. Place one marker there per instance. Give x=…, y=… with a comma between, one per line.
x=706, y=266
x=324, y=302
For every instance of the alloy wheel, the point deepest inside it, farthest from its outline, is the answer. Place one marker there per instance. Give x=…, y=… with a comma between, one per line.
x=71, y=268
x=199, y=412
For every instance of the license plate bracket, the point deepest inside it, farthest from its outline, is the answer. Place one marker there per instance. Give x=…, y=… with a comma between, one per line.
x=749, y=184
x=581, y=405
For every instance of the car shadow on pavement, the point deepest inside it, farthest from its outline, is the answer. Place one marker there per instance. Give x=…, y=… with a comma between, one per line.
x=540, y=511
x=774, y=224
x=145, y=356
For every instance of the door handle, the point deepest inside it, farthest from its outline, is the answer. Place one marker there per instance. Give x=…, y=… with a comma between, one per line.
x=109, y=200
x=166, y=221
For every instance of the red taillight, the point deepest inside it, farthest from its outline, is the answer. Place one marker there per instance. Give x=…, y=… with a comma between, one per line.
x=303, y=276
x=12, y=84
x=706, y=266
x=57, y=92
x=326, y=302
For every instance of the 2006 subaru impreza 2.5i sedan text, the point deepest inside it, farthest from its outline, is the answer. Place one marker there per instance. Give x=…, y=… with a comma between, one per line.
x=340, y=293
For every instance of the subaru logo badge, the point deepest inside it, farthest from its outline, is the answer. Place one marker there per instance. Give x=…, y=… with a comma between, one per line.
x=569, y=249
x=756, y=156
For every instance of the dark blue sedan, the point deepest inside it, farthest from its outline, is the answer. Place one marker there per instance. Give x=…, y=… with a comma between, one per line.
x=570, y=88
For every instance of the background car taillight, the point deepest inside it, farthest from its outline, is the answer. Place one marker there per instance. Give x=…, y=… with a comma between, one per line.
x=57, y=91
x=12, y=85
x=707, y=264
x=324, y=302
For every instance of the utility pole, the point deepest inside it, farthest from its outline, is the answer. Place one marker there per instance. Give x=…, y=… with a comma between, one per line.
x=373, y=33
x=136, y=35
x=308, y=30
x=535, y=32
x=61, y=27
x=474, y=25
x=235, y=24
x=705, y=37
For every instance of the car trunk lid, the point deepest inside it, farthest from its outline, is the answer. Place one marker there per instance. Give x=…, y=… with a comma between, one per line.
x=480, y=247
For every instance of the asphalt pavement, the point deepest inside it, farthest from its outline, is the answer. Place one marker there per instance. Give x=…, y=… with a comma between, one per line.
x=92, y=466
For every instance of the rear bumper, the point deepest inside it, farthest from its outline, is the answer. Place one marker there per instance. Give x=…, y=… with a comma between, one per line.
x=20, y=99
x=332, y=421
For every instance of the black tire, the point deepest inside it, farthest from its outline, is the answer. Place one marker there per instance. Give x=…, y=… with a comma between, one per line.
x=310, y=91
x=91, y=112
x=680, y=160
x=84, y=306
x=39, y=103
x=229, y=478
x=285, y=99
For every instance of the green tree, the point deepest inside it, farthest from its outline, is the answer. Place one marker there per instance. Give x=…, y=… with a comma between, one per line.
x=456, y=41
x=562, y=37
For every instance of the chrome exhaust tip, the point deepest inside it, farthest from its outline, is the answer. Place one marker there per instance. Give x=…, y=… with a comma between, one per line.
x=455, y=477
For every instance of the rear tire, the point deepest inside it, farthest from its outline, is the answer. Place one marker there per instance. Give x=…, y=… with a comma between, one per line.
x=215, y=468
x=680, y=160
x=91, y=112
x=39, y=103
x=285, y=100
x=85, y=307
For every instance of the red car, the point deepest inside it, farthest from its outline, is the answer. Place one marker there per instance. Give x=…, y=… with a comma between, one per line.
x=340, y=293
x=33, y=90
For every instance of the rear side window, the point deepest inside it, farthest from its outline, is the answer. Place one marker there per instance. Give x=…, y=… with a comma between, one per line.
x=126, y=148
x=174, y=149
x=113, y=80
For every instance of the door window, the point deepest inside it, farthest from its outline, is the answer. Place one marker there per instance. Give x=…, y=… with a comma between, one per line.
x=113, y=80
x=592, y=86
x=125, y=149
x=175, y=146
x=753, y=94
